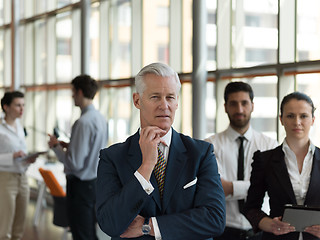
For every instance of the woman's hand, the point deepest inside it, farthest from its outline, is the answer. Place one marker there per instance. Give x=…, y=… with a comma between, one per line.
x=275, y=226
x=18, y=154
x=314, y=230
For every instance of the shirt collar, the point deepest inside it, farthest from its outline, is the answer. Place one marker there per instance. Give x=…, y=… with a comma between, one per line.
x=167, y=138
x=287, y=150
x=233, y=134
x=87, y=108
x=4, y=123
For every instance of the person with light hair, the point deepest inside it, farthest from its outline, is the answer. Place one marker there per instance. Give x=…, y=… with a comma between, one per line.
x=159, y=184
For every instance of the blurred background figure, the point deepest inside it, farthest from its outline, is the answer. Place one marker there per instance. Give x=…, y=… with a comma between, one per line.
x=14, y=188
x=80, y=158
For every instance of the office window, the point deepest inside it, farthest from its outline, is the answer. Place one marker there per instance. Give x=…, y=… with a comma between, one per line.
x=95, y=40
x=7, y=58
x=40, y=52
x=155, y=31
x=163, y=53
x=162, y=16
x=310, y=85
x=2, y=12
x=2, y=81
x=254, y=26
x=120, y=40
x=211, y=108
x=187, y=36
x=308, y=28
x=29, y=53
x=123, y=119
x=6, y=8
x=64, y=49
x=211, y=35
x=257, y=56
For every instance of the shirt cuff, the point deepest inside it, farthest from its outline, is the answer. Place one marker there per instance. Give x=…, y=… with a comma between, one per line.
x=147, y=186
x=157, y=234
x=6, y=159
x=240, y=189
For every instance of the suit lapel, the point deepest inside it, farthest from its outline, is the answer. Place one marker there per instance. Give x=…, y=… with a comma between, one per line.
x=281, y=171
x=134, y=153
x=176, y=160
x=315, y=178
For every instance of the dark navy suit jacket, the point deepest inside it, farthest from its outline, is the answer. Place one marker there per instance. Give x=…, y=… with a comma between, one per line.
x=270, y=173
x=196, y=212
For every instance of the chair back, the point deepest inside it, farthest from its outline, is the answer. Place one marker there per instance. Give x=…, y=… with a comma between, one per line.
x=55, y=188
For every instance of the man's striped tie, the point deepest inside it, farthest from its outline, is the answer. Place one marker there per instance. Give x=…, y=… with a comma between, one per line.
x=160, y=170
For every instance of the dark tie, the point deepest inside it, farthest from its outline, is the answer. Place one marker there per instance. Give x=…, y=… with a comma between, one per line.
x=160, y=170
x=241, y=169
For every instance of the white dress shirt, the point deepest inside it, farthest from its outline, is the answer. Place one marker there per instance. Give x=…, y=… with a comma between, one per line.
x=147, y=186
x=11, y=140
x=300, y=181
x=226, y=147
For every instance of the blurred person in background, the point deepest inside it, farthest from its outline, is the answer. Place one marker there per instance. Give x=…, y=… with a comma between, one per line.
x=80, y=158
x=14, y=188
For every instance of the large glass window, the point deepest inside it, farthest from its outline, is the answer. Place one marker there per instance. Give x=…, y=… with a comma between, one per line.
x=155, y=31
x=310, y=85
x=308, y=27
x=64, y=48
x=120, y=39
x=2, y=82
x=211, y=34
x=255, y=34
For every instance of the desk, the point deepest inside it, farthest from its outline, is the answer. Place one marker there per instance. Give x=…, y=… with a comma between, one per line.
x=33, y=172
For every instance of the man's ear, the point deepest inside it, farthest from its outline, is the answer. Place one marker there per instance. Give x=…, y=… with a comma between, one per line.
x=80, y=92
x=136, y=100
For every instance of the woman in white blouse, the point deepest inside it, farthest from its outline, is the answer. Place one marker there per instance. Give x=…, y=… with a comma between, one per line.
x=290, y=173
x=14, y=188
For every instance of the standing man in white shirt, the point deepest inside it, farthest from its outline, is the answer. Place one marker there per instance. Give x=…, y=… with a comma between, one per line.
x=234, y=148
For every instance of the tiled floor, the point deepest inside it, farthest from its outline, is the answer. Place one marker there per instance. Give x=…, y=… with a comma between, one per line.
x=46, y=230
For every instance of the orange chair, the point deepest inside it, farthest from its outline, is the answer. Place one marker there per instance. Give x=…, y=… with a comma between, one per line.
x=59, y=198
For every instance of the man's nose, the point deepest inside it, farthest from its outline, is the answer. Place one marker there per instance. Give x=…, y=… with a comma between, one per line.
x=163, y=103
x=240, y=107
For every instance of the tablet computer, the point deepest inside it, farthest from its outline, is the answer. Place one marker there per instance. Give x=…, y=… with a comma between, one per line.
x=301, y=216
x=31, y=155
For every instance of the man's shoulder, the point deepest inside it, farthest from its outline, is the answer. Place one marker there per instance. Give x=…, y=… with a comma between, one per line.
x=264, y=139
x=217, y=137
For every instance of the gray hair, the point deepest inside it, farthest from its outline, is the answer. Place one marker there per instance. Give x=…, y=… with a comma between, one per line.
x=159, y=69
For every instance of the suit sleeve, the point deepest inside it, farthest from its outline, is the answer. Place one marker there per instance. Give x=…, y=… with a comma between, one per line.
x=207, y=217
x=117, y=204
x=256, y=192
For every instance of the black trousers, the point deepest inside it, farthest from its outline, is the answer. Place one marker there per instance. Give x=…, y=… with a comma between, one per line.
x=81, y=199
x=238, y=234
